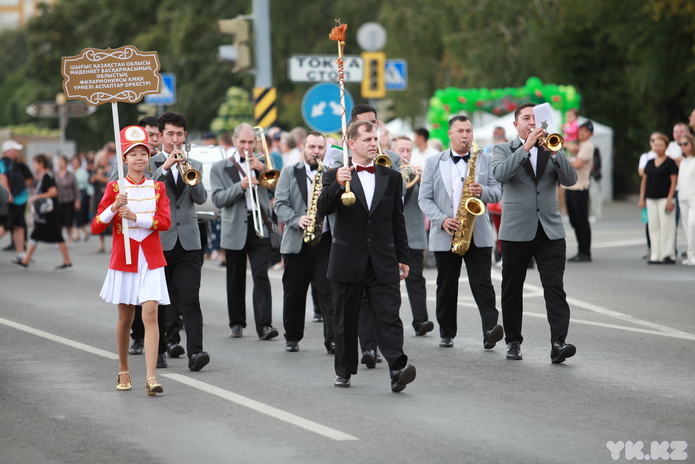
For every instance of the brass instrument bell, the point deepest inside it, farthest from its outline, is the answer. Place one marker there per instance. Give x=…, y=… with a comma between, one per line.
x=268, y=179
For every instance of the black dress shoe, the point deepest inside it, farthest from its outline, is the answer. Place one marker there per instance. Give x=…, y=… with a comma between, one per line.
x=175, y=350
x=446, y=342
x=668, y=261
x=198, y=361
x=424, y=327
x=561, y=351
x=580, y=258
x=136, y=347
x=292, y=347
x=162, y=361
x=342, y=382
x=317, y=317
x=236, y=332
x=369, y=359
x=268, y=333
x=330, y=348
x=402, y=377
x=514, y=351
x=492, y=336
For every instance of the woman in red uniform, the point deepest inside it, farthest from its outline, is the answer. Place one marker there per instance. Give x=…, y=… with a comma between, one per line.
x=145, y=206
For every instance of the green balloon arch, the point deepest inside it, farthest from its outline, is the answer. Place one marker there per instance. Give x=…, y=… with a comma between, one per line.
x=451, y=101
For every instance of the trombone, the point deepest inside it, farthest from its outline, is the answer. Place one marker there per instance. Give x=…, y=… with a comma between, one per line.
x=255, y=203
x=268, y=179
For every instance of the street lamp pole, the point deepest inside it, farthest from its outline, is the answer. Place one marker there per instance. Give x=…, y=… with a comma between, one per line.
x=62, y=118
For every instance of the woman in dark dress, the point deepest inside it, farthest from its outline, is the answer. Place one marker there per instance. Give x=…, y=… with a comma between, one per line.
x=47, y=229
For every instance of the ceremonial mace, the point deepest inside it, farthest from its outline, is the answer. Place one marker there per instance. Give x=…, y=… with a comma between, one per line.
x=338, y=34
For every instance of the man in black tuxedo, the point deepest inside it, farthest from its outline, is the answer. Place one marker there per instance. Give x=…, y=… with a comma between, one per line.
x=369, y=254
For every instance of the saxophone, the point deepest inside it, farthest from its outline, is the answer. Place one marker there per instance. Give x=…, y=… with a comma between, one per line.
x=312, y=233
x=469, y=209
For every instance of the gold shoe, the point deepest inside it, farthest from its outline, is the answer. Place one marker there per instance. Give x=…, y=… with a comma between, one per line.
x=123, y=386
x=153, y=388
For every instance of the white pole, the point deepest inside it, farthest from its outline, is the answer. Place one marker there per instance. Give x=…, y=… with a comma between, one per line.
x=121, y=177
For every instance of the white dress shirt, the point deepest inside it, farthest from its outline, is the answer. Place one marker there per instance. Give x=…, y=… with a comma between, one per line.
x=368, y=182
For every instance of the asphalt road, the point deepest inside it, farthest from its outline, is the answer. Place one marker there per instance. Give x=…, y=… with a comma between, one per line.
x=632, y=379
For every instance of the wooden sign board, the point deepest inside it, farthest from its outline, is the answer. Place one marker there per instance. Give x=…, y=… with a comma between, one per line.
x=122, y=74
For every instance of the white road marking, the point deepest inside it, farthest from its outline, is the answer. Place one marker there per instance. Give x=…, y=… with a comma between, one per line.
x=619, y=243
x=681, y=335
x=531, y=291
x=230, y=396
x=56, y=338
x=263, y=408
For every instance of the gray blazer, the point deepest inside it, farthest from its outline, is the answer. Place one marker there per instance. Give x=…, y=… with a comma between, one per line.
x=228, y=195
x=529, y=198
x=291, y=202
x=436, y=202
x=414, y=219
x=182, y=201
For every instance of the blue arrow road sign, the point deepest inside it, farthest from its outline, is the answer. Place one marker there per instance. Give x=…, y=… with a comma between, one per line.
x=396, y=75
x=321, y=107
x=167, y=96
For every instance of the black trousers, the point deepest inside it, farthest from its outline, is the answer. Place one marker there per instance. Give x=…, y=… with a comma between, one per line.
x=550, y=258
x=478, y=266
x=258, y=251
x=182, y=273
x=137, y=330
x=578, y=211
x=385, y=302
x=309, y=266
x=415, y=285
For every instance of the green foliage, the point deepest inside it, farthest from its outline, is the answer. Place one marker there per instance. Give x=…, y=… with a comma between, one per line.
x=233, y=111
x=34, y=130
x=633, y=62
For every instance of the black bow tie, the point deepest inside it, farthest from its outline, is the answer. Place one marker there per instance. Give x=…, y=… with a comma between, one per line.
x=456, y=159
x=313, y=167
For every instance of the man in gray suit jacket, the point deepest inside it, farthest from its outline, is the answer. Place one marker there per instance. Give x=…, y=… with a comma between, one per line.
x=532, y=227
x=442, y=187
x=237, y=202
x=181, y=243
x=304, y=262
x=415, y=283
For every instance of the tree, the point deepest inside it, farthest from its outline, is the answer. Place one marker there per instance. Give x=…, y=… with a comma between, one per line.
x=233, y=111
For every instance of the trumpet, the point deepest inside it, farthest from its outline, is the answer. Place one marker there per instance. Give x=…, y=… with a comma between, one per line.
x=410, y=175
x=255, y=203
x=552, y=142
x=189, y=175
x=269, y=178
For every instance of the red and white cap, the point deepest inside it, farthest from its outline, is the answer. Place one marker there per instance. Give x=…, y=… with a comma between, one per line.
x=132, y=136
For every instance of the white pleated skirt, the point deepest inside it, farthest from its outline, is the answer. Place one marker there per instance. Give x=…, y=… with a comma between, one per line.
x=135, y=288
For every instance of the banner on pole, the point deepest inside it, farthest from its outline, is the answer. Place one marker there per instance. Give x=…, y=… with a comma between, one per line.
x=122, y=74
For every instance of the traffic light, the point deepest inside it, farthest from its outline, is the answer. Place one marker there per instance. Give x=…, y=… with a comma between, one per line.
x=238, y=53
x=373, y=85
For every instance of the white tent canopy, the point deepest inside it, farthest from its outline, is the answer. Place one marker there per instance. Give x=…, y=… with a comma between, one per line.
x=602, y=139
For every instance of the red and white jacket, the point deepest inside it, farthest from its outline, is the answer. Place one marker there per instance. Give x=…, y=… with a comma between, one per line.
x=148, y=200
